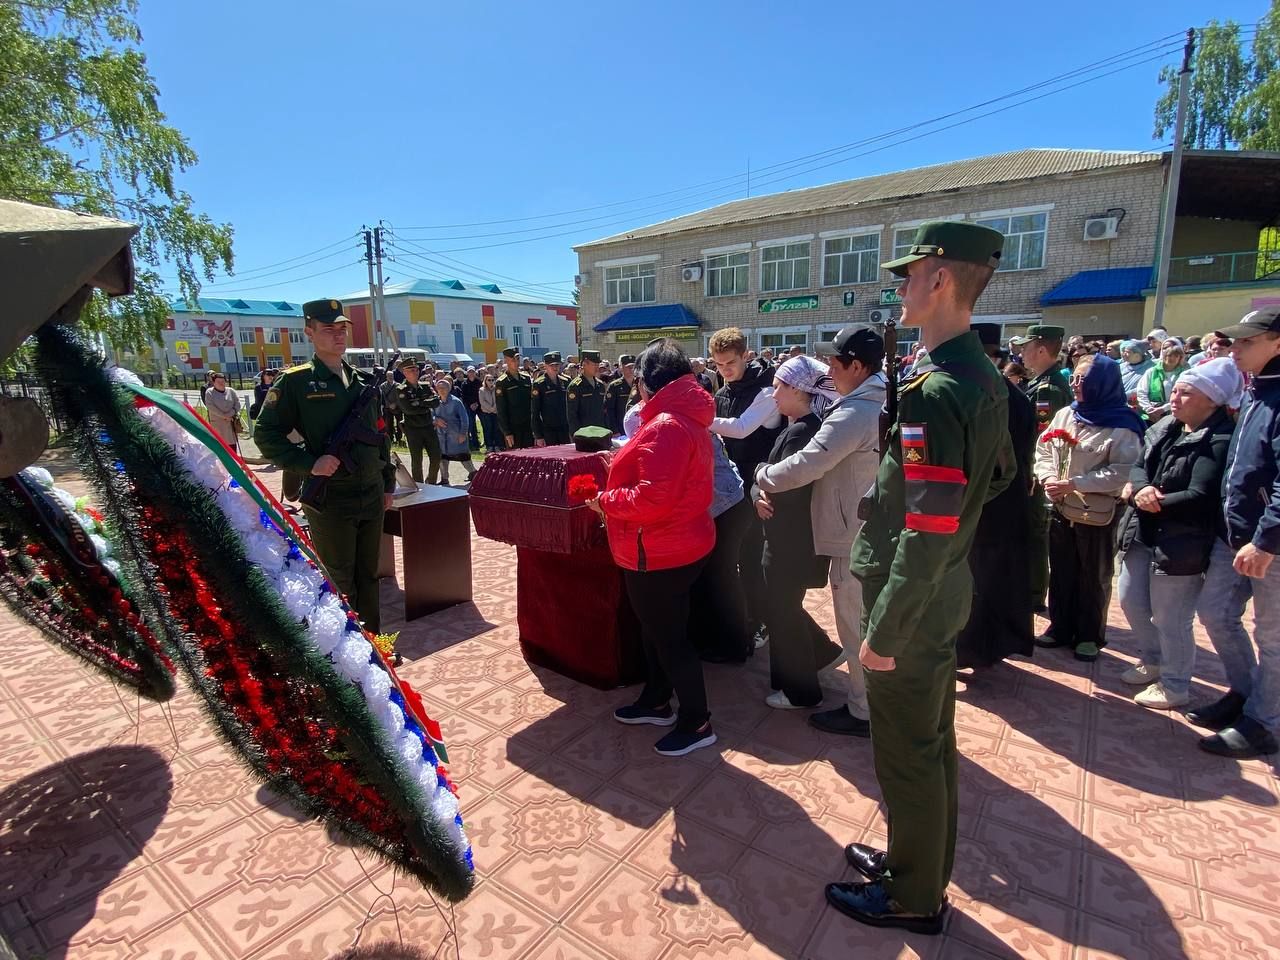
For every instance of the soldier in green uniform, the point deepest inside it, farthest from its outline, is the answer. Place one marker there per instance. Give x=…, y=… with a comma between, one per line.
x=513, y=395
x=549, y=404
x=314, y=398
x=1049, y=392
x=948, y=453
x=618, y=393
x=418, y=404
x=586, y=395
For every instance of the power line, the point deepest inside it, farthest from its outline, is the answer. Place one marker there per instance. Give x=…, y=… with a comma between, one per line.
x=312, y=276
x=476, y=270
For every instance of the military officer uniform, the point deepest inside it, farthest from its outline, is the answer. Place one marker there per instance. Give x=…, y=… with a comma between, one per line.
x=947, y=454
x=418, y=403
x=1049, y=392
x=617, y=395
x=586, y=398
x=549, y=404
x=315, y=400
x=513, y=397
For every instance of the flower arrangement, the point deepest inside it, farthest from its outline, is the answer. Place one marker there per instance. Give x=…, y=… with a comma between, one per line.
x=282, y=666
x=582, y=488
x=1062, y=441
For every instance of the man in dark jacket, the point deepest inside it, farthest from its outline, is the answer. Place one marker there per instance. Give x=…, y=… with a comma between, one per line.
x=1241, y=562
x=743, y=381
x=471, y=400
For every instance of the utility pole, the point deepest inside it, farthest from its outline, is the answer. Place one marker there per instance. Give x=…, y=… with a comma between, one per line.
x=373, y=298
x=385, y=330
x=1175, y=174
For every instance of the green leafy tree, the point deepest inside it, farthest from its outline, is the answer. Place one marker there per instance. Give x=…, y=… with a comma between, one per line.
x=81, y=127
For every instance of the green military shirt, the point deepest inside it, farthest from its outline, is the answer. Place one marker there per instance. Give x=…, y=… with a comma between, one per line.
x=512, y=397
x=311, y=399
x=616, y=396
x=948, y=454
x=586, y=403
x=548, y=404
x=1050, y=392
x=418, y=403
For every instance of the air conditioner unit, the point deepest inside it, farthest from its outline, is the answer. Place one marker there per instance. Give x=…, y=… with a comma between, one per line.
x=879, y=315
x=1101, y=228
x=691, y=273
x=577, y=279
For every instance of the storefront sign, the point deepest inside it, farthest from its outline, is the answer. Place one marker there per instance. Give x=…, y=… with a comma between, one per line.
x=644, y=336
x=889, y=297
x=787, y=304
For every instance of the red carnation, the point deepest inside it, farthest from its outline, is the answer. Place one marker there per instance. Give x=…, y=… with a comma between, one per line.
x=1059, y=434
x=583, y=487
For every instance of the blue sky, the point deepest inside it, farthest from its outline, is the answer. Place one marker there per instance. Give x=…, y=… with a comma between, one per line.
x=313, y=118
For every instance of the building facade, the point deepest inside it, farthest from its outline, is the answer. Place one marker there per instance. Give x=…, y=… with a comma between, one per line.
x=238, y=337
x=1081, y=228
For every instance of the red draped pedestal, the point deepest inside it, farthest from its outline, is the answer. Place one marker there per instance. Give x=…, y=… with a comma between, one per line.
x=572, y=607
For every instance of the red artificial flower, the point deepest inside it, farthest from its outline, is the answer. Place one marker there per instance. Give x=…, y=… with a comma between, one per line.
x=583, y=487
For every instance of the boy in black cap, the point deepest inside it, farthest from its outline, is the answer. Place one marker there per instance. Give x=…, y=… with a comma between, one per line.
x=586, y=395
x=550, y=412
x=513, y=395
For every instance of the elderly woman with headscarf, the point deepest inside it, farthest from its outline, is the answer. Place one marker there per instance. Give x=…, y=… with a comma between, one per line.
x=1135, y=360
x=802, y=389
x=1166, y=536
x=1156, y=386
x=1083, y=461
x=222, y=406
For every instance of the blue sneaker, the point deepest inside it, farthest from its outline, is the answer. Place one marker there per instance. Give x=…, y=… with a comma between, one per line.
x=662, y=716
x=871, y=904
x=677, y=743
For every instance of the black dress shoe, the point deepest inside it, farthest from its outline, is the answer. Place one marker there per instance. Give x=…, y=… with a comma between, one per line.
x=840, y=721
x=871, y=904
x=1221, y=713
x=1244, y=739
x=868, y=861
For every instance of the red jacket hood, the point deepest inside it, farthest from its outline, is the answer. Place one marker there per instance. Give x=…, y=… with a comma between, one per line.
x=685, y=397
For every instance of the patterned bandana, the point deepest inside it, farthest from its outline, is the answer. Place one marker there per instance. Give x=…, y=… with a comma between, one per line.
x=809, y=376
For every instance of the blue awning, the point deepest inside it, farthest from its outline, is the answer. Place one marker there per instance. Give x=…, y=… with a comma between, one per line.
x=648, y=318
x=1100, y=286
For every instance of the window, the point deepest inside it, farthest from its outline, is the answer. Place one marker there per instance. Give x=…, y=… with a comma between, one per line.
x=273, y=335
x=249, y=365
x=783, y=341
x=481, y=332
x=247, y=335
x=727, y=274
x=300, y=358
x=534, y=337
x=632, y=283
x=1024, y=236
x=784, y=267
x=903, y=241
x=274, y=363
x=517, y=336
x=850, y=260
x=295, y=336
x=500, y=332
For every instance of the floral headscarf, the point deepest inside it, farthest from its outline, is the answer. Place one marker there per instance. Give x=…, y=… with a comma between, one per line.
x=809, y=376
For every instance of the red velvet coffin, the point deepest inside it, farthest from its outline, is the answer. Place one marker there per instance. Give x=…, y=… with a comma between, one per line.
x=521, y=497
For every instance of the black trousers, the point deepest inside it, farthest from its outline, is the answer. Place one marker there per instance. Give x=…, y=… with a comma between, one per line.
x=751, y=571
x=798, y=647
x=660, y=599
x=718, y=618
x=1081, y=562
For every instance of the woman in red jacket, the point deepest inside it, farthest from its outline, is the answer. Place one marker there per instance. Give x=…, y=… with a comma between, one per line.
x=655, y=507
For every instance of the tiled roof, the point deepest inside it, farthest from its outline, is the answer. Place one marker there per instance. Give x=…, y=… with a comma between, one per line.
x=642, y=318
x=940, y=178
x=1099, y=286
x=454, y=289
x=253, y=308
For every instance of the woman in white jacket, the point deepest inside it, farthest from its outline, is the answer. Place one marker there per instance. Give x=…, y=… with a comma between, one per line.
x=1083, y=461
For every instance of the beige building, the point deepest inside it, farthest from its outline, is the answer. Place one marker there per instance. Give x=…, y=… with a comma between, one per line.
x=1081, y=231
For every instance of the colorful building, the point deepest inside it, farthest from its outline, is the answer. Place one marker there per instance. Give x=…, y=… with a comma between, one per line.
x=234, y=336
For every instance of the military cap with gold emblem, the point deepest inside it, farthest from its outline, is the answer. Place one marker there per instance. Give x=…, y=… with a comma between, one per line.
x=951, y=240
x=324, y=311
x=591, y=355
x=552, y=357
x=625, y=359
x=511, y=352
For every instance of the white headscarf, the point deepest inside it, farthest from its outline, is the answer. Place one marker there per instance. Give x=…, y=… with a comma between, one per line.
x=1218, y=379
x=809, y=376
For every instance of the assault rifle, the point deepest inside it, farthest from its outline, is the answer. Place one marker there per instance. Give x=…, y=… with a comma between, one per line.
x=350, y=432
x=889, y=412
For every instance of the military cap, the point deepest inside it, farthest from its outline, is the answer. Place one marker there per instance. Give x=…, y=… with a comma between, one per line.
x=511, y=352
x=552, y=357
x=952, y=240
x=591, y=355
x=324, y=311
x=854, y=343
x=408, y=362
x=1262, y=320
x=1039, y=331
x=988, y=333
x=592, y=439
x=625, y=359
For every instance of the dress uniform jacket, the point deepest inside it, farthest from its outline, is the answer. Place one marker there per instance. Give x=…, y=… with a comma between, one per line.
x=1049, y=392
x=586, y=403
x=513, y=397
x=549, y=401
x=616, y=396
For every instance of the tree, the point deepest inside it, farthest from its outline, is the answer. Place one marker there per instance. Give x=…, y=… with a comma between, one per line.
x=81, y=127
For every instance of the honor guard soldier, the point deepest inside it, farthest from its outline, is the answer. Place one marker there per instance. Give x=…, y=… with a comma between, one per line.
x=1048, y=391
x=418, y=404
x=948, y=453
x=550, y=404
x=586, y=395
x=316, y=399
x=512, y=397
x=617, y=396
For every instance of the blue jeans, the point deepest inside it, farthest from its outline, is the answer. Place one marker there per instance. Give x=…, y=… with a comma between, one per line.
x=1160, y=611
x=1222, y=603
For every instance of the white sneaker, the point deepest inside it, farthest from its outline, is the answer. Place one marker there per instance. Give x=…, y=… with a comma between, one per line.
x=1158, y=698
x=778, y=700
x=1141, y=674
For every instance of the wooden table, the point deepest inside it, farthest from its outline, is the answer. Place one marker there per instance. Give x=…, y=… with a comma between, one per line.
x=434, y=527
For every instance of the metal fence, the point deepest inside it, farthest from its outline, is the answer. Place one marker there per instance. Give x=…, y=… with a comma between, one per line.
x=1243, y=267
x=26, y=385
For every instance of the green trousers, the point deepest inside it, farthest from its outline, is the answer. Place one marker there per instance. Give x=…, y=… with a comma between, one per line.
x=913, y=740
x=1038, y=548
x=347, y=534
x=420, y=439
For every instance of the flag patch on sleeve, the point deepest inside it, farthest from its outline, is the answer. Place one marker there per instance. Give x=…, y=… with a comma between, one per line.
x=913, y=443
